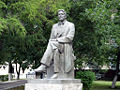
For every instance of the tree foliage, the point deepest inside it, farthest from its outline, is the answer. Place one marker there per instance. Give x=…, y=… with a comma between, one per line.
x=97, y=33
x=25, y=27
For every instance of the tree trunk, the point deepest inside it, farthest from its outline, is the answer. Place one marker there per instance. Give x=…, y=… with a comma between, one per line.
x=18, y=76
x=117, y=69
x=114, y=81
x=9, y=76
x=10, y=71
x=18, y=72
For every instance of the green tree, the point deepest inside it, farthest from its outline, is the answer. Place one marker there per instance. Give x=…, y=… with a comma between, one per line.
x=25, y=29
x=97, y=31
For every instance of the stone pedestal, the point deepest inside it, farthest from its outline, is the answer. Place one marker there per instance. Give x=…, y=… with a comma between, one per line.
x=54, y=84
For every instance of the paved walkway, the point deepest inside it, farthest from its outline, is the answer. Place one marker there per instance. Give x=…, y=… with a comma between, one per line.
x=12, y=84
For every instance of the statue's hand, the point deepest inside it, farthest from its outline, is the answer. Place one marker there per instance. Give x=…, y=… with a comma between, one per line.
x=53, y=40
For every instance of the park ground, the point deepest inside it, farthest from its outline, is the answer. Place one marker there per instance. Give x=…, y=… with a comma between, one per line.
x=104, y=85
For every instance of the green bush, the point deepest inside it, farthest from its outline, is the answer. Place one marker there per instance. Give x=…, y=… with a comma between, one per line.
x=87, y=78
x=3, y=77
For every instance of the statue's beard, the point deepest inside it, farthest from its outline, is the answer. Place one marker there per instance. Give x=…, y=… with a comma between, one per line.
x=61, y=18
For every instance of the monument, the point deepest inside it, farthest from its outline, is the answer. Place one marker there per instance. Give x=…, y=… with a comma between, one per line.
x=58, y=59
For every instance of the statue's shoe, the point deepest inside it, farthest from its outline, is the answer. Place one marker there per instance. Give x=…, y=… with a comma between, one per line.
x=42, y=68
x=55, y=76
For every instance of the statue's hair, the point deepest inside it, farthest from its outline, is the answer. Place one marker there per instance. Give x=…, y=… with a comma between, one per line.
x=62, y=11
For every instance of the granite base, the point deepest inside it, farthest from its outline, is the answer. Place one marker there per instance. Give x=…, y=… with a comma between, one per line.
x=54, y=84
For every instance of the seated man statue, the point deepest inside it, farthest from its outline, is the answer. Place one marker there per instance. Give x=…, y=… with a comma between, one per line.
x=59, y=49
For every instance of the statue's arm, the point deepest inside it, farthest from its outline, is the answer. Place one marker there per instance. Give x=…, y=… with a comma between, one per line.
x=52, y=36
x=69, y=37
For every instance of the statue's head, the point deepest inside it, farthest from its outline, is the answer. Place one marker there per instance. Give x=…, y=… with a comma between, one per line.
x=61, y=14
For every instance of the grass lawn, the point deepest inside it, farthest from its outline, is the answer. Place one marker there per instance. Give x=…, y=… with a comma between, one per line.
x=104, y=85
x=17, y=88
